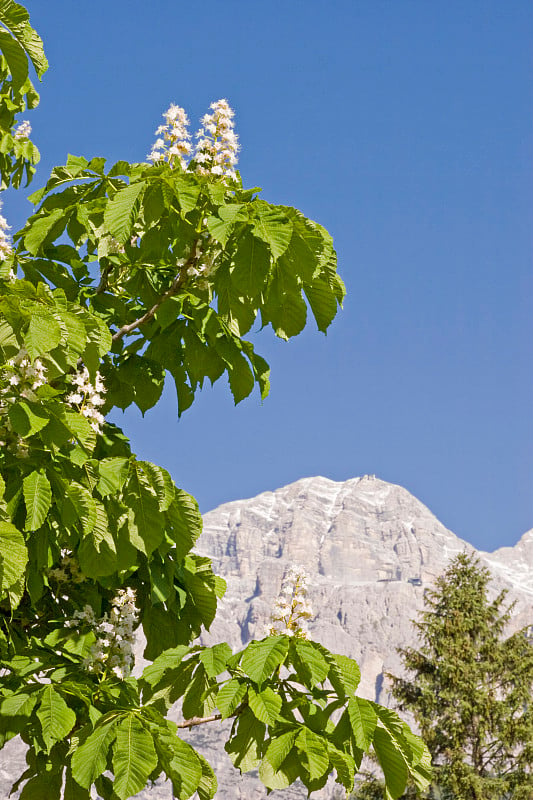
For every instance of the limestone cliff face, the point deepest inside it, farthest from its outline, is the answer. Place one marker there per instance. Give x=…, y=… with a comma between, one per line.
x=370, y=549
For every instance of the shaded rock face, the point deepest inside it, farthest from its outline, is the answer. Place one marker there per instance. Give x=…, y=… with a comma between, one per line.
x=370, y=549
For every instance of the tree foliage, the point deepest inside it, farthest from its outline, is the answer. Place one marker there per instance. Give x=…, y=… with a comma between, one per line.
x=470, y=690
x=128, y=275
x=21, y=50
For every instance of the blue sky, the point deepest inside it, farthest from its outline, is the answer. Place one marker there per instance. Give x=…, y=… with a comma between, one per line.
x=404, y=128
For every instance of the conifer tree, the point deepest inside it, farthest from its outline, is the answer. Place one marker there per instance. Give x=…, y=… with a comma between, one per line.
x=470, y=689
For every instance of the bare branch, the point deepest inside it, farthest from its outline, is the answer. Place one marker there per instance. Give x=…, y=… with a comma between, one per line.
x=190, y=723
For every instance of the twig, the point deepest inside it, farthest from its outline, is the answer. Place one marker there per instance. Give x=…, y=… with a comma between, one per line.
x=190, y=723
x=178, y=282
x=102, y=286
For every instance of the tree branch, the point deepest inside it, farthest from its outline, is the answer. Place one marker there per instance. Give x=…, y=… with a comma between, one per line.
x=178, y=282
x=102, y=286
x=190, y=723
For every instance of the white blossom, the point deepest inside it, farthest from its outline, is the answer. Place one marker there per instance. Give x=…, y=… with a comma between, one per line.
x=112, y=650
x=22, y=377
x=173, y=142
x=292, y=609
x=5, y=243
x=216, y=149
x=88, y=397
x=68, y=570
x=23, y=131
x=217, y=146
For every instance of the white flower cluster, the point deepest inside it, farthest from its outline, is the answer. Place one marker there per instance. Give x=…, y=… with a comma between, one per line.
x=68, y=570
x=217, y=147
x=113, y=649
x=292, y=609
x=22, y=377
x=23, y=131
x=174, y=138
x=5, y=243
x=88, y=398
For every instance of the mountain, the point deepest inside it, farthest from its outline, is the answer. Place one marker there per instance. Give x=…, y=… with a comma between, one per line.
x=370, y=549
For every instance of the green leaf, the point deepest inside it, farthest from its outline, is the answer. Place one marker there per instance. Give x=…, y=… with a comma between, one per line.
x=13, y=559
x=146, y=377
x=28, y=418
x=265, y=705
x=15, y=17
x=76, y=333
x=252, y=263
x=323, y=303
x=80, y=506
x=38, y=498
x=15, y=57
x=7, y=335
x=146, y=521
x=279, y=748
x=161, y=483
x=231, y=212
x=392, y=762
x=113, y=474
x=18, y=705
x=182, y=764
x=314, y=752
x=284, y=306
x=198, y=700
x=186, y=521
x=219, y=229
x=120, y=211
x=241, y=378
x=278, y=779
x=309, y=662
x=244, y=748
x=168, y=660
x=362, y=720
x=260, y=659
x=97, y=552
x=41, y=229
x=344, y=764
x=134, y=757
x=43, y=335
x=230, y=697
x=344, y=674
x=187, y=191
x=208, y=783
x=56, y=718
x=90, y=759
x=72, y=790
x=44, y=786
x=420, y=766
x=215, y=658
x=273, y=227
